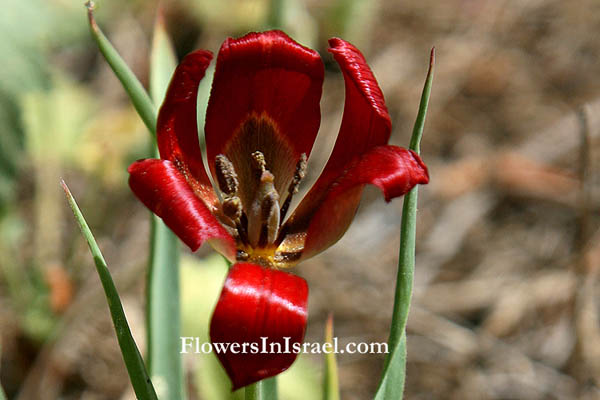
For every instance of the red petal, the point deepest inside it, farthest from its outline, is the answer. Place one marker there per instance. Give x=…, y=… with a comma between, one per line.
x=265, y=96
x=365, y=124
x=393, y=169
x=177, y=130
x=164, y=190
x=258, y=302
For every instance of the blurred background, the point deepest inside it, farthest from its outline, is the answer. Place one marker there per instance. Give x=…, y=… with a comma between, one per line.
x=506, y=299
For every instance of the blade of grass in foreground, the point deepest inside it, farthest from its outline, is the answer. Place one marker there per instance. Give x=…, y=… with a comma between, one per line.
x=391, y=386
x=163, y=317
x=140, y=99
x=131, y=355
x=331, y=389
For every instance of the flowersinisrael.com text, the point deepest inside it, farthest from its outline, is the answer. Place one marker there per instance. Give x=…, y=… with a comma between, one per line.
x=191, y=344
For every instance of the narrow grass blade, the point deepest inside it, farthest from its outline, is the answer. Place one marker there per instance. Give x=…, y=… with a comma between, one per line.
x=131, y=355
x=391, y=386
x=417, y=133
x=140, y=99
x=163, y=317
x=331, y=389
x=262, y=390
x=163, y=313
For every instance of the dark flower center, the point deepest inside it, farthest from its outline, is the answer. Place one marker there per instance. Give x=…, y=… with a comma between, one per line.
x=256, y=225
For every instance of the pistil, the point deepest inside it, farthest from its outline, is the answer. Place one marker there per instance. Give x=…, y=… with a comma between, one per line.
x=263, y=215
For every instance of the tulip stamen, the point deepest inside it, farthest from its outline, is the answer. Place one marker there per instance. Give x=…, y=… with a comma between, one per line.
x=226, y=175
x=232, y=207
x=299, y=174
x=229, y=185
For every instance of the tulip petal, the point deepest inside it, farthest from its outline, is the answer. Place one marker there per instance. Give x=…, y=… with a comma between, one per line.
x=177, y=130
x=265, y=96
x=163, y=189
x=365, y=124
x=393, y=169
x=260, y=310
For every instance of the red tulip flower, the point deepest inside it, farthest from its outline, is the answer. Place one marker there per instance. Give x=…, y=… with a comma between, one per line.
x=261, y=123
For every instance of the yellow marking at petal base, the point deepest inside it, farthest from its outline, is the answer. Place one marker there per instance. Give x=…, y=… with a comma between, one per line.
x=261, y=256
x=286, y=255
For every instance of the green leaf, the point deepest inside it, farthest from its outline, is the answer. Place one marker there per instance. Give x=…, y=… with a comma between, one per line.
x=163, y=312
x=131, y=355
x=391, y=386
x=262, y=390
x=417, y=133
x=331, y=389
x=140, y=99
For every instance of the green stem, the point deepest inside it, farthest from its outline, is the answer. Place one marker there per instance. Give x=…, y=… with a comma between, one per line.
x=253, y=392
x=262, y=390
